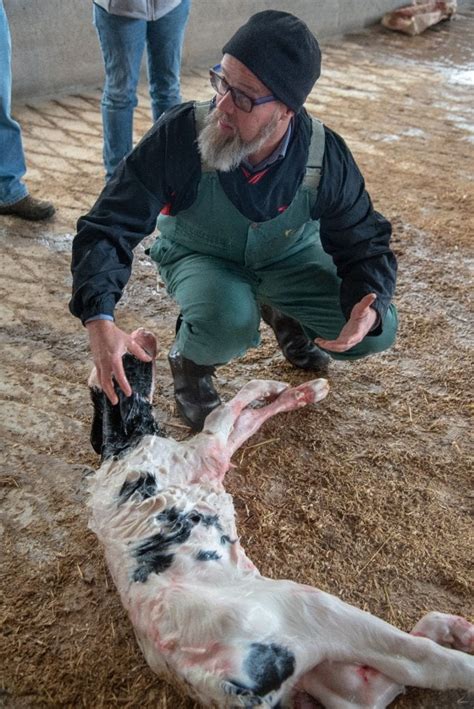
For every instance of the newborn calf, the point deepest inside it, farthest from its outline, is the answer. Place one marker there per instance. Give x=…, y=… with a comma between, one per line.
x=202, y=613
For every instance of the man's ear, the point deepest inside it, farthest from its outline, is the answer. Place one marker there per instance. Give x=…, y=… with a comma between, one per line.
x=287, y=113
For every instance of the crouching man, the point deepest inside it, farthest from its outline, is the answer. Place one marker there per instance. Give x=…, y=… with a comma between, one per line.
x=262, y=213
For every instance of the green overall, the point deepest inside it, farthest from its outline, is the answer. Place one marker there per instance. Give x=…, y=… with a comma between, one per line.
x=218, y=266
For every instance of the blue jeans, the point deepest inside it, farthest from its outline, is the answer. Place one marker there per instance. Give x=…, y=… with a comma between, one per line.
x=122, y=41
x=12, y=158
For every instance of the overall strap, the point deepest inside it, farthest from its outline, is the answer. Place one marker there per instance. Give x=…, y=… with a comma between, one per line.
x=314, y=163
x=201, y=111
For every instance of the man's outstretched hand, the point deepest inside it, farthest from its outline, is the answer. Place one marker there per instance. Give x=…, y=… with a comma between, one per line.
x=108, y=345
x=362, y=320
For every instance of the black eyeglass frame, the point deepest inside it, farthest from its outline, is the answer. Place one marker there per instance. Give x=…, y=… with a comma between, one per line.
x=236, y=94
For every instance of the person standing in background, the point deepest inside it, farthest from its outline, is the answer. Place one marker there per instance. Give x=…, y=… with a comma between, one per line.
x=124, y=27
x=14, y=197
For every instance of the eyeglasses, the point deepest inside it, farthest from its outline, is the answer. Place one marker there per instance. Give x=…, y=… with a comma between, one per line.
x=241, y=100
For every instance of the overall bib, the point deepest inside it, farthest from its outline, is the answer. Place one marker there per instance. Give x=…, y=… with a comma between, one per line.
x=218, y=266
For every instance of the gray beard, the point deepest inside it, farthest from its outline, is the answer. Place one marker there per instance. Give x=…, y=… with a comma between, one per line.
x=225, y=153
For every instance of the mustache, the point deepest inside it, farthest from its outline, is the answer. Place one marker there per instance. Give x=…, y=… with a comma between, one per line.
x=225, y=117
x=226, y=152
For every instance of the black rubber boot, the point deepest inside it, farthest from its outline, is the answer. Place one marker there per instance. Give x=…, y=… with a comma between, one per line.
x=194, y=391
x=297, y=348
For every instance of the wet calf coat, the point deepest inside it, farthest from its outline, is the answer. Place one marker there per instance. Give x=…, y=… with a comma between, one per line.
x=201, y=611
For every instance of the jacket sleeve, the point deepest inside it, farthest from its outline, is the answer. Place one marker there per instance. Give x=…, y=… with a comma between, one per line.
x=126, y=212
x=353, y=233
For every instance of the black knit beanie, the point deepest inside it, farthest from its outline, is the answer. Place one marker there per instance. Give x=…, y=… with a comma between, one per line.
x=281, y=51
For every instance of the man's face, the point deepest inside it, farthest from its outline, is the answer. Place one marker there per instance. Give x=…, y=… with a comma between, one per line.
x=232, y=120
x=231, y=134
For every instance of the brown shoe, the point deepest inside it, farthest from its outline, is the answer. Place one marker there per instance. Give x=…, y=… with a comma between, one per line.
x=29, y=208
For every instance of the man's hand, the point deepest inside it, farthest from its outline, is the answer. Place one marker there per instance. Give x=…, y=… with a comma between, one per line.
x=361, y=321
x=108, y=345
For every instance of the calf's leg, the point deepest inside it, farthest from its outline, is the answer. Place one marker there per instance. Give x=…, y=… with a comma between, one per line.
x=250, y=420
x=368, y=661
x=339, y=685
x=231, y=424
x=448, y=630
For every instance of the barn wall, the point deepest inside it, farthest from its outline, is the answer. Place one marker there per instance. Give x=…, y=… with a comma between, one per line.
x=55, y=48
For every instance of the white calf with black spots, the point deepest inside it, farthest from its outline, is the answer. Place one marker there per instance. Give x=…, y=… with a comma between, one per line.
x=203, y=614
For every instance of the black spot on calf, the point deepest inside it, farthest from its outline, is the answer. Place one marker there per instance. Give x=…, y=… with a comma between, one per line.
x=211, y=521
x=207, y=555
x=169, y=515
x=145, y=485
x=267, y=667
x=155, y=554
x=152, y=563
x=225, y=539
